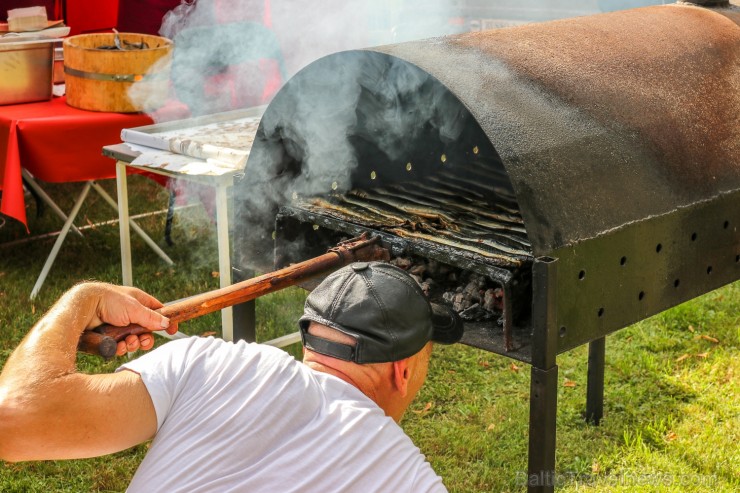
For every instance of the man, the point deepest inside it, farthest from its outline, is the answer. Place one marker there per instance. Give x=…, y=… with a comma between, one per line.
x=236, y=416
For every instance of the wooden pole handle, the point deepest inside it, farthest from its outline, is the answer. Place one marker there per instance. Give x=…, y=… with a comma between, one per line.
x=102, y=340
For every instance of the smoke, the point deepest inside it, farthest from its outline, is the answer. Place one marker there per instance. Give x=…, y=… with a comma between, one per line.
x=232, y=54
x=237, y=53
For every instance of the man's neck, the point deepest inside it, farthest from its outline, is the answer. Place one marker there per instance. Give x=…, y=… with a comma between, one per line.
x=359, y=377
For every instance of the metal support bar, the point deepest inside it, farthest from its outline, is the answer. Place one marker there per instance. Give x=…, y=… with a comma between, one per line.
x=127, y=276
x=224, y=256
x=60, y=239
x=543, y=396
x=543, y=406
x=595, y=383
x=508, y=316
x=544, y=316
x=137, y=229
x=170, y=217
x=245, y=318
x=286, y=340
x=31, y=182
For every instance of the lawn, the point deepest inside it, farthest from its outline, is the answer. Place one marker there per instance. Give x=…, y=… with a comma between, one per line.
x=672, y=392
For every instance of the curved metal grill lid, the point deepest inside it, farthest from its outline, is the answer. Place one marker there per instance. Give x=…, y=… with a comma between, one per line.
x=599, y=121
x=604, y=120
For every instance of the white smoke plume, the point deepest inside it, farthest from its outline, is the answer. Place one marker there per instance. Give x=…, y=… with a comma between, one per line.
x=218, y=41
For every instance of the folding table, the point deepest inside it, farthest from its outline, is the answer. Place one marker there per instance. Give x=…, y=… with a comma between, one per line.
x=53, y=142
x=124, y=156
x=209, y=150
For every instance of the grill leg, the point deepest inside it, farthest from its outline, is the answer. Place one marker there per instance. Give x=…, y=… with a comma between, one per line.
x=170, y=217
x=245, y=319
x=595, y=385
x=543, y=405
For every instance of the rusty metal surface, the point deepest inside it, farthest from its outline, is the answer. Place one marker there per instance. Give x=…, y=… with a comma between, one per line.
x=600, y=122
x=603, y=120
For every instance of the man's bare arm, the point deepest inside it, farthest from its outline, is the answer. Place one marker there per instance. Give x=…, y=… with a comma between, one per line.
x=48, y=410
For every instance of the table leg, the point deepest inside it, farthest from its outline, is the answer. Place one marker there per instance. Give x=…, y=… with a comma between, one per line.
x=31, y=181
x=127, y=275
x=60, y=239
x=224, y=260
x=137, y=229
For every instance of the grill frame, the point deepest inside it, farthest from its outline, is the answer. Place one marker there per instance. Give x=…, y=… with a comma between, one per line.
x=480, y=335
x=628, y=185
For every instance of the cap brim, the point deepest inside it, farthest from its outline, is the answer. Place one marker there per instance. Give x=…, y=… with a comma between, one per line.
x=448, y=326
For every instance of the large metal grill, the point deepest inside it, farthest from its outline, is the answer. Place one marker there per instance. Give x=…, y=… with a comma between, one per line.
x=576, y=176
x=468, y=220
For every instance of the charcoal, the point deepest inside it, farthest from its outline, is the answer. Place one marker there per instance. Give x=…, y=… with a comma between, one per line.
x=476, y=313
x=433, y=268
x=493, y=299
x=469, y=293
x=460, y=302
x=427, y=286
x=472, y=291
x=402, y=262
x=448, y=296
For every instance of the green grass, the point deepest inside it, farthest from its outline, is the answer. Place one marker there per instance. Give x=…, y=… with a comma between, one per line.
x=671, y=398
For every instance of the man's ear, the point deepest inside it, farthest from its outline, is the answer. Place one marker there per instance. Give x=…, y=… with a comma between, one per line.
x=401, y=376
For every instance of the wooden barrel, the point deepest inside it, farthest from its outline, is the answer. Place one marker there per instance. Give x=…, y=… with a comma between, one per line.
x=99, y=79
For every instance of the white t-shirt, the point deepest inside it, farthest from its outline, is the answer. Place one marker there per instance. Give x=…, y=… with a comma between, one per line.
x=247, y=417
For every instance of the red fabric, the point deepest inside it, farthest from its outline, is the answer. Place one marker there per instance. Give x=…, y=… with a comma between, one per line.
x=273, y=80
x=226, y=11
x=86, y=16
x=241, y=85
x=56, y=143
x=267, y=15
x=143, y=16
x=12, y=184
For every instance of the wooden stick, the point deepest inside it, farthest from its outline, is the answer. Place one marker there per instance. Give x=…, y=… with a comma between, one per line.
x=103, y=340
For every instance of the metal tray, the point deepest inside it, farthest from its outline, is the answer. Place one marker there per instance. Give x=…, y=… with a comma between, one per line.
x=26, y=71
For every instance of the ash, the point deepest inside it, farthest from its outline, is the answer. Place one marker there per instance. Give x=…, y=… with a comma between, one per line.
x=473, y=296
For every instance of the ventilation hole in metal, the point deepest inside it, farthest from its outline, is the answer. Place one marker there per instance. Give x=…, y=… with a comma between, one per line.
x=693, y=236
x=582, y=275
x=623, y=261
x=726, y=224
x=601, y=312
x=641, y=295
x=562, y=331
x=676, y=283
x=709, y=269
x=658, y=248
x=737, y=258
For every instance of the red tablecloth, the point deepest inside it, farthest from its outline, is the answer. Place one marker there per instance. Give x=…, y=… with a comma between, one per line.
x=56, y=143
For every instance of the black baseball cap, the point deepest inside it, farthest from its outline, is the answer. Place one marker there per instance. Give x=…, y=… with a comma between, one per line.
x=382, y=308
